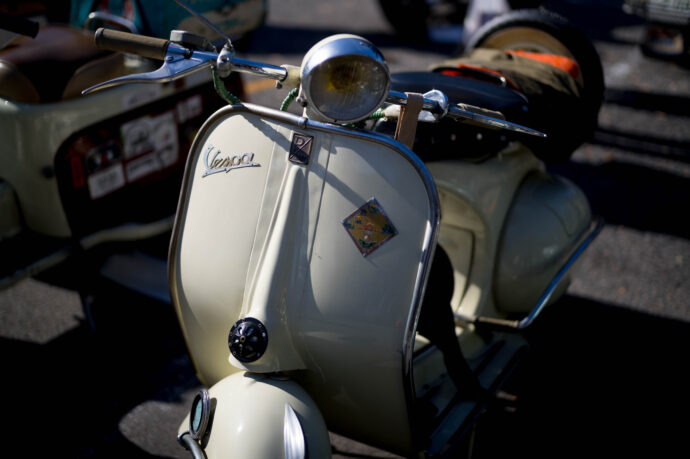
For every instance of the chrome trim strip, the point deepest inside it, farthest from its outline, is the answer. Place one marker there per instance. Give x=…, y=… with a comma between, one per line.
x=258, y=68
x=431, y=236
x=293, y=435
x=204, y=398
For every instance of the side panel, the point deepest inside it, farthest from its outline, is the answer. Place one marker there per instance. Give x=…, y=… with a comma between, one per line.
x=475, y=198
x=548, y=216
x=355, y=308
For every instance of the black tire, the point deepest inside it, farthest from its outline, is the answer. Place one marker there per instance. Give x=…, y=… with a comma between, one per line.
x=543, y=31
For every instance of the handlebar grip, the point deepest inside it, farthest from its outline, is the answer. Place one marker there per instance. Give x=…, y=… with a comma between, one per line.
x=115, y=40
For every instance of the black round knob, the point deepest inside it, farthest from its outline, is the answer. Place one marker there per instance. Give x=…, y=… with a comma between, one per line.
x=248, y=339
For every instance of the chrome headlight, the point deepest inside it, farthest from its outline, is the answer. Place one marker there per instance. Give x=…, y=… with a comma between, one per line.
x=344, y=78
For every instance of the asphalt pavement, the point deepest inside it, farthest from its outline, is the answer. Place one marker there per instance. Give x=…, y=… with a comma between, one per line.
x=607, y=372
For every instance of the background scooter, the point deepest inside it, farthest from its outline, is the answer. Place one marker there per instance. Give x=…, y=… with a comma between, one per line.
x=88, y=186
x=668, y=28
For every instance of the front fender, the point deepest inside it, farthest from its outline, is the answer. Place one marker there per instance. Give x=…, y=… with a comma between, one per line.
x=250, y=418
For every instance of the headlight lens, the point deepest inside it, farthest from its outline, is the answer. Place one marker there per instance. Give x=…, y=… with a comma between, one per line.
x=344, y=78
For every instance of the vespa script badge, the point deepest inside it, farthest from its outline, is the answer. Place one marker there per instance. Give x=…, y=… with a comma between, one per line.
x=214, y=162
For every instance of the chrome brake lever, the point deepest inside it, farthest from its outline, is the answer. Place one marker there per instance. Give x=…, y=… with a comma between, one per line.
x=460, y=112
x=179, y=62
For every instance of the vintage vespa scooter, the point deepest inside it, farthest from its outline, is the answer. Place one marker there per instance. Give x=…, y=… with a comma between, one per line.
x=318, y=268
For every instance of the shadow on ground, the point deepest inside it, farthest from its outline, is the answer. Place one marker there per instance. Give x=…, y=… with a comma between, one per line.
x=68, y=396
x=597, y=379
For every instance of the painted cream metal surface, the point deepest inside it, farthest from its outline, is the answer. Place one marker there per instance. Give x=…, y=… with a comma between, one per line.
x=230, y=225
x=491, y=209
x=530, y=255
x=475, y=198
x=356, y=312
x=32, y=133
x=259, y=432
x=268, y=242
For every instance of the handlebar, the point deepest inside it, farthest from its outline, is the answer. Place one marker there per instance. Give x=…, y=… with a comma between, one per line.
x=179, y=61
x=115, y=40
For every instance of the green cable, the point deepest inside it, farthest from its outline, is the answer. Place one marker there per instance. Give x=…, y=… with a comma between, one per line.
x=223, y=91
x=292, y=95
x=378, y=114
x=288, y=100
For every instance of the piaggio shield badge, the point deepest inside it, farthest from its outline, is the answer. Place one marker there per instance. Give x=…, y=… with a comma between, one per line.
x=300, y=149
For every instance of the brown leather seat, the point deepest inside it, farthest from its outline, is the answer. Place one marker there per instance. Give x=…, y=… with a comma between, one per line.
x=38, y=70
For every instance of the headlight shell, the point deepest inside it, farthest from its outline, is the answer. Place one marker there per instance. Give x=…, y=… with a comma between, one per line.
x=344, y=78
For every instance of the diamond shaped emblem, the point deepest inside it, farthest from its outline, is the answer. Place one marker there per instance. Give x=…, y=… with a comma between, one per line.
x=369, y=227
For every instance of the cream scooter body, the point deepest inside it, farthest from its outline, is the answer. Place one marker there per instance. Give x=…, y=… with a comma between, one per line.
x=27, y=153
x=260, y=236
